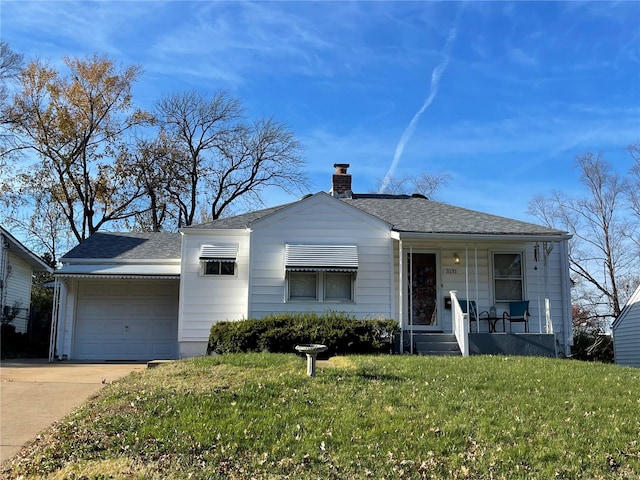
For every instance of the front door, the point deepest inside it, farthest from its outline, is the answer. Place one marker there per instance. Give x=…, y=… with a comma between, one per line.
x=423, y=291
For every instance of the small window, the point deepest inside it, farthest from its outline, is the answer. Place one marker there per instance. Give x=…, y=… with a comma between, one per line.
x=508, y=277
x=338, y=286
x=303, y=286
x=219, y=268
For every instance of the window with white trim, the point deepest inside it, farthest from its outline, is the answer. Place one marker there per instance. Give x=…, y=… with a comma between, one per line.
x=324, y=273
x=508, y=276
x=303, y=286
x=338, y=286
x=321, y=286
x=214, y=267
x=218, y=259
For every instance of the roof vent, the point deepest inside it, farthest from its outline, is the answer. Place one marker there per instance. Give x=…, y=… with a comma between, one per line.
x=419, y=195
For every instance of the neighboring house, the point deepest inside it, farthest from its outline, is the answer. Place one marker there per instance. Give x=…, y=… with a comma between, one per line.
x=363, y=254
x=17, y=265
x=626, y=333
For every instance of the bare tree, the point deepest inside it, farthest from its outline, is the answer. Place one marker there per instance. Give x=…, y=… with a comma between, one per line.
x=425, y=184
x=221, y=159
x=601, y=261
x=633, y=185
x=10, y=66
x=76, y=125
x=155, y=164
x=36, y=219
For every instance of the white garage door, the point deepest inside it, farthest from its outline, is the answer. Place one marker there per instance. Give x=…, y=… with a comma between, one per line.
x=126, y=320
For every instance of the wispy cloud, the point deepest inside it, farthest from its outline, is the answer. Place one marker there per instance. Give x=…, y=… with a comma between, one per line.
x=433, y=90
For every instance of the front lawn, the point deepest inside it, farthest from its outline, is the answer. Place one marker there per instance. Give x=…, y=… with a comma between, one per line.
x=259, y=416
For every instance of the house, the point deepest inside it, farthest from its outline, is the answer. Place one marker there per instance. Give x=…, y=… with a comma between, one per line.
x=626, y=333
x=17, y=265
x=392, y=256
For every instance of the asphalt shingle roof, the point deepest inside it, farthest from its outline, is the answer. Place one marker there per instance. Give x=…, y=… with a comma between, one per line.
x=412, y=214
x=405, y=213
x=128, y=245
x=418, y=214
x=238, y=221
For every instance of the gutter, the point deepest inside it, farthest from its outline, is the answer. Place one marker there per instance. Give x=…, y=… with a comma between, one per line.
x=119, y=261
x=527, y=237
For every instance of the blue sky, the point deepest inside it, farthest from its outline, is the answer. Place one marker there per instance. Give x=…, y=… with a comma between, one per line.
x=503, y=96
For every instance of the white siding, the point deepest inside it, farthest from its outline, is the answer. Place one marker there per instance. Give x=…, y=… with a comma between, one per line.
x=18, y=289
x=321, y=220
x=205, y=300
x=453, y=277
x=626, y=333
x=259, y=286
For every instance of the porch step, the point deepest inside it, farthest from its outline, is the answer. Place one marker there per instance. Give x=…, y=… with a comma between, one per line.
x=436, y=344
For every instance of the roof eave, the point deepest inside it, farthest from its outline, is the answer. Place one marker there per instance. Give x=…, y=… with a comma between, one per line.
x=25, y=254
x=525, y=237
x=158, y=276
x=123, y=261
x=218, y=231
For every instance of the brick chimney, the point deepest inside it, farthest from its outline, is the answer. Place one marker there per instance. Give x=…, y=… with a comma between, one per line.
x=341, y=181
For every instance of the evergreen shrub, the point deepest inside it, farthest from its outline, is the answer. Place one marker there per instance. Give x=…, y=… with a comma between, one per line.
x=280, y=333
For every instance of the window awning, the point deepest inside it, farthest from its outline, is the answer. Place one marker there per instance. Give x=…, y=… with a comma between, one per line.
x=311, y=258
x=218, y=253
x=120, y=271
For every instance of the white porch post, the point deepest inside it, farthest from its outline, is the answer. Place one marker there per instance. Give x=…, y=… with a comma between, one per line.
x=547, y=248
x=401, y=296
x=53, y=334
x=410, y=299
x=536, y=258
x=475, y=270
x=466, y=284
x=567, y=329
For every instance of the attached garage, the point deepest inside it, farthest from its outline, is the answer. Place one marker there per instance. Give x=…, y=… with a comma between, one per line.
x=117, y=296
x=126, y=320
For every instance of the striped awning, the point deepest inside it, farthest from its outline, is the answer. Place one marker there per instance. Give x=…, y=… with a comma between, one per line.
x=218, y=253
x=311, y=258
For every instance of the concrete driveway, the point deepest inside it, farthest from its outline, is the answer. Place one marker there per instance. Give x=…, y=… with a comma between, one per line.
x=34, y=394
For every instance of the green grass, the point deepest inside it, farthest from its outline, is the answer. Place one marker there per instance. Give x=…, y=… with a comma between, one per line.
x=260, y=416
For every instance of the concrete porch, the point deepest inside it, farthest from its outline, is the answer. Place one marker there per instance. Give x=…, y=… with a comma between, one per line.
x=520, y=344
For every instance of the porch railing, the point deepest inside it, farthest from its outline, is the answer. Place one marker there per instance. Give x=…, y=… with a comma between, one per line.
x=460, y=324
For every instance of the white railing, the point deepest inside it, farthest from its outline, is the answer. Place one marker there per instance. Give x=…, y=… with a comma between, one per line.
x=460, y=324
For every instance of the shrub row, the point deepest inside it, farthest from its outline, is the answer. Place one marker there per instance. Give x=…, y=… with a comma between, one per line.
x=280, y=333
